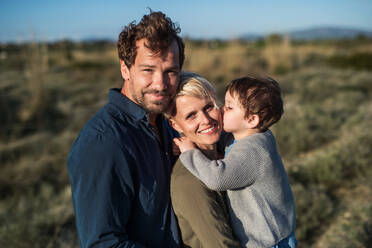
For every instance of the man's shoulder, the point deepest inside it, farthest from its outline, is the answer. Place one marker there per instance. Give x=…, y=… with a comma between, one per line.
x=102, y=138
x=104, y=129
x=107, y=123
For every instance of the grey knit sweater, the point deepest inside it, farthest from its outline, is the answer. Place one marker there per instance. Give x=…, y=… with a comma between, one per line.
x=260, y=199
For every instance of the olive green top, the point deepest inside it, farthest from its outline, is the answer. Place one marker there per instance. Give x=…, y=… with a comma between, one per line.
x=202, y=213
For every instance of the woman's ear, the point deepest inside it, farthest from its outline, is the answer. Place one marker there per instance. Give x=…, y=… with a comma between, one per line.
x=253, y=121
x=124, y=70
x=175, y=126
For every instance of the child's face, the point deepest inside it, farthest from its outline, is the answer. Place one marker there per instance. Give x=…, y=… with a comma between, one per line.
x=233, y=115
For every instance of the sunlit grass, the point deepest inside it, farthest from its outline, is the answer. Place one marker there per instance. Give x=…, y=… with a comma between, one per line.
x=49, y=91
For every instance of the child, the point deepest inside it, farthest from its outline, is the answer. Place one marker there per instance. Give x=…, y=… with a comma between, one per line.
x=259, y=196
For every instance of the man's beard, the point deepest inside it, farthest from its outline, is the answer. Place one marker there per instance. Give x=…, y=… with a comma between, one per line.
x=155, y=107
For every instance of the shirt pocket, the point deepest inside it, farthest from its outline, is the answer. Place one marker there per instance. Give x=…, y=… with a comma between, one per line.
x=148, y=197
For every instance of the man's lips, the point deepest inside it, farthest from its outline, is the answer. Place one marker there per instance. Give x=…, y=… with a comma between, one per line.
x=157, y=95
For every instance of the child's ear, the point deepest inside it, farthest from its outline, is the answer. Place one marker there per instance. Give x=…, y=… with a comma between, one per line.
x=253, y=121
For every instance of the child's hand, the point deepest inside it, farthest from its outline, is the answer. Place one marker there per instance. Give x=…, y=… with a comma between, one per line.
x=184, y=144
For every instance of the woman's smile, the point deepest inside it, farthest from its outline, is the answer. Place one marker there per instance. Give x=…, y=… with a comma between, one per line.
x=210, y=130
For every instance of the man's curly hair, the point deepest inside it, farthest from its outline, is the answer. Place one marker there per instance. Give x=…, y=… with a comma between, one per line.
x=159, y=32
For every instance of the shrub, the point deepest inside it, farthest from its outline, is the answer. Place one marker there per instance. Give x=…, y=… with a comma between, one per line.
x=358, y=61
x=314, y=210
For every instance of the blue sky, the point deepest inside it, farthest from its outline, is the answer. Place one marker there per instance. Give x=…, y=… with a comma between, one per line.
x=73, y=19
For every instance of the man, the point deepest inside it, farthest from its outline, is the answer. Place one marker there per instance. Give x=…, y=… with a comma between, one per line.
x=120, y=164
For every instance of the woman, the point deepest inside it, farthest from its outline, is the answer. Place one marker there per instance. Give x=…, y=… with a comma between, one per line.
x=202, y=213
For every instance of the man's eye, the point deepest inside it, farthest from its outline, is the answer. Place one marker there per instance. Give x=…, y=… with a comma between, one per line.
x=173, y=73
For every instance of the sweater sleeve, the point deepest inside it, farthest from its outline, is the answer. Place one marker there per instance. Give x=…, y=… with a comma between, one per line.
x=239, y=169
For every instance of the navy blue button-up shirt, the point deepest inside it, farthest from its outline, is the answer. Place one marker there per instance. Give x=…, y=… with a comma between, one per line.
x=120, y=176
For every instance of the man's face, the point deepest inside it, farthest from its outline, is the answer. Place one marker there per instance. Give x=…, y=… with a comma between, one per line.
x=152, y=80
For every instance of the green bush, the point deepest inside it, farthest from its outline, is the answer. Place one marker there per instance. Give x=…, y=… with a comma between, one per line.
x=48, y=92
x=357, y=61
x=29, y=221
x=314, y=210
x=353, y=228
x=339, y=166
x=312, y=125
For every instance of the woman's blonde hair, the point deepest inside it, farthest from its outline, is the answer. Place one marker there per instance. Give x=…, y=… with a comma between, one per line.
x=192, y=84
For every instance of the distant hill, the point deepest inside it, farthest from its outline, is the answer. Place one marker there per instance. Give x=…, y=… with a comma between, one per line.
x=317, y=33
x=328, y=33
x=251, y=36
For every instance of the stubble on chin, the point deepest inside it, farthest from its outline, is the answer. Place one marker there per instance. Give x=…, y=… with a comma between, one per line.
x=156, y=107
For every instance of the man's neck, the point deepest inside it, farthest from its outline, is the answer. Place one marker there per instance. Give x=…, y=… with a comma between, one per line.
x=152, y=119
x=157, y=129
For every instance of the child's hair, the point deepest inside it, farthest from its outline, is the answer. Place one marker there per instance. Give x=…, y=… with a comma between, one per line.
x=261, y=96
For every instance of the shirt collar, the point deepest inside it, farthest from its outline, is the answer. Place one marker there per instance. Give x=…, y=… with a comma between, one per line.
x=126, y=106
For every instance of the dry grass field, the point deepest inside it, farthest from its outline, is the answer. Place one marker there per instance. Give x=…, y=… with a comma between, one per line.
x=49, y=91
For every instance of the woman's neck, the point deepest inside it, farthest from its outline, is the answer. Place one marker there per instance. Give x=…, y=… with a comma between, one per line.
x=209, y=150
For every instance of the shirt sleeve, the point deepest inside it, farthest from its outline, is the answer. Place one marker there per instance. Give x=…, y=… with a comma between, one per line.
x=239, y=169
x=102, y=192
x=201, y=212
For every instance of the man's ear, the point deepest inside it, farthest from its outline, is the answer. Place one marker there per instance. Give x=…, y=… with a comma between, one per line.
x=253, y=121
x=124, y=70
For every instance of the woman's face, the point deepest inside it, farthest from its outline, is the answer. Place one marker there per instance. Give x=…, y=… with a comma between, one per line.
x=198, y=119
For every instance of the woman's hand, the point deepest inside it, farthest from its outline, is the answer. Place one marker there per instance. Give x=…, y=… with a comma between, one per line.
x=184, y=144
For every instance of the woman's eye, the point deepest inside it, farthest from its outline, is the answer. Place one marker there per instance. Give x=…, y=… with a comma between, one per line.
x=209, y=107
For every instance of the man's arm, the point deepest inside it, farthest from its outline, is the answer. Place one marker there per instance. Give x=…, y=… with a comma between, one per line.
x=239, y=169
x=102, y=192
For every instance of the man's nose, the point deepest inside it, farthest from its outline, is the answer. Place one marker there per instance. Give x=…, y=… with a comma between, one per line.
x=160, y=81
